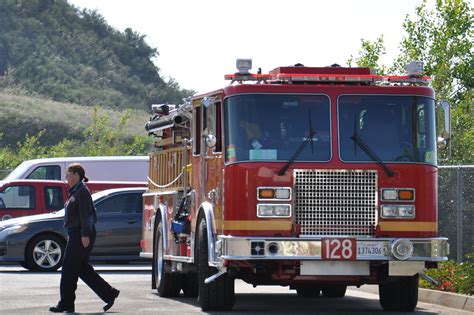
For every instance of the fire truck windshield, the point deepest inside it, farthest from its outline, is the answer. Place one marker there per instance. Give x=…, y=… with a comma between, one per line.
x=272, y=127
x=395, y=128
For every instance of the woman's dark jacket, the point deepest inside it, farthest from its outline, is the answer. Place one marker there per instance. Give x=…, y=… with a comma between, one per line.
x=79, y=210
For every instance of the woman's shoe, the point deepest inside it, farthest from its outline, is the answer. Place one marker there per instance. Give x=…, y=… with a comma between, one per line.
x=61, y=309
x=115, y=294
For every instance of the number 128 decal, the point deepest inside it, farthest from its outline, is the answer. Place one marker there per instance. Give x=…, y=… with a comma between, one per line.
x=339, y=249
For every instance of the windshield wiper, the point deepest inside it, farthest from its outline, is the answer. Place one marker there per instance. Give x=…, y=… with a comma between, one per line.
x=358, y=140
x=300, y=149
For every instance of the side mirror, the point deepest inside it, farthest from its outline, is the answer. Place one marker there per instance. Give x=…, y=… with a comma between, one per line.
x=445, y=130
x=211, y=140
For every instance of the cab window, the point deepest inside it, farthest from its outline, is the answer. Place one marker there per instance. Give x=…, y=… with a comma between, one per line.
x=19, y=197
x=211, y=123
x=53, y=198
x=52, y=172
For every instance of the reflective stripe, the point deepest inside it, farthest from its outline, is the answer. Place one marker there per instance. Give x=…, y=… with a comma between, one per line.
x=409, y=226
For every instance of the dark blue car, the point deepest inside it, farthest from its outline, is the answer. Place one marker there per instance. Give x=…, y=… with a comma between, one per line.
x=37, y=242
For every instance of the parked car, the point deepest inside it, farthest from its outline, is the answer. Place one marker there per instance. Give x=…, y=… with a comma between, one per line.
x=103, y=168
x=19, y=198
x=37, y=242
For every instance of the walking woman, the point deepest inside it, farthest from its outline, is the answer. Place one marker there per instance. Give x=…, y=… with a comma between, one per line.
x=79, y=219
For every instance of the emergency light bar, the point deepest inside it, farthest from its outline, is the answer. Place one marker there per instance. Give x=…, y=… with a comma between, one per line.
x=341, y=75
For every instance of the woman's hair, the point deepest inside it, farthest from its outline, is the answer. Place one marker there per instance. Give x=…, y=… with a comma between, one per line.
x=78, y=169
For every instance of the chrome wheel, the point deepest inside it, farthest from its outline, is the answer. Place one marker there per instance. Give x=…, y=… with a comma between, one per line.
x=47, y=253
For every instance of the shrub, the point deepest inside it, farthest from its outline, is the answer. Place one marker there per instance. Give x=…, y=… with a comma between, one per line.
x=452, y=277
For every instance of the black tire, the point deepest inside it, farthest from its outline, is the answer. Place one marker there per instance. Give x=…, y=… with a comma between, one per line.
x=190, y=285
x=168, y=283
x=219, y=295
x=307, y=291
x=401, y=294
x=337, y=291
x=44, y=253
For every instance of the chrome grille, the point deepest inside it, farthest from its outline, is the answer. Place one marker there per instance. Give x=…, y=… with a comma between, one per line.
x=336, y=202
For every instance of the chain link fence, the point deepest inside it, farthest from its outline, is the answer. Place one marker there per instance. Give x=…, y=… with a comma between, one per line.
x=456, y=208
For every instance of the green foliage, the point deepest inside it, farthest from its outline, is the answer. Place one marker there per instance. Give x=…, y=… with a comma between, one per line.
x=443, y=40
x=101, y=139
x=369, y=55
x=452, y=277
x=53, y=49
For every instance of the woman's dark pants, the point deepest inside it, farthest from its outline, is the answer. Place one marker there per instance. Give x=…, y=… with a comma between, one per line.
x=76, y=265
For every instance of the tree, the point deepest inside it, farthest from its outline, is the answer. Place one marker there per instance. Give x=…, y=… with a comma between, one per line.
x=369, y=55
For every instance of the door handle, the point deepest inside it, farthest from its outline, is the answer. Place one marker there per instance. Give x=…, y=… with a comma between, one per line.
x=130, y=221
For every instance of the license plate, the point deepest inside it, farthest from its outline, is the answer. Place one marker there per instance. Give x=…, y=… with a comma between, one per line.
x=370, y=249
x=339, y=249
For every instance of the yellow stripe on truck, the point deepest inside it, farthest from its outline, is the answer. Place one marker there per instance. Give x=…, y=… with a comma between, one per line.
x=254, y=225
x=409, y=226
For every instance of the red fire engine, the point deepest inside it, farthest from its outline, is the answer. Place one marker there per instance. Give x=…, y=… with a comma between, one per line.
x=313, y=178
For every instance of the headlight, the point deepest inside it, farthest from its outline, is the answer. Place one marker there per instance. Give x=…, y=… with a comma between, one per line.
x=14, y=229
x=398, y=211
x=273, y=211
x=274, y=193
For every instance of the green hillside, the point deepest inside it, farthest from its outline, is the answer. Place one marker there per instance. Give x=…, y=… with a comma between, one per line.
x=21, y=115
x=53, y=49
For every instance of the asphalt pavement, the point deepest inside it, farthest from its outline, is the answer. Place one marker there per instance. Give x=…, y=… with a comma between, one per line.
x=25, y=292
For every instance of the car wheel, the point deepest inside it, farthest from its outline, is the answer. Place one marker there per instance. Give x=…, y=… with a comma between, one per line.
x=168, y=283
x=45, y=253
x=218, y=295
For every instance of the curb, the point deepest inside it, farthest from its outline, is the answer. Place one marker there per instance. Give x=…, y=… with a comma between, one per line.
x=447, y=299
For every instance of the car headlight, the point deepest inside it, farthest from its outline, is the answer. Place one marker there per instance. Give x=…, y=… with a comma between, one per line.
x=9, y=230
x=273, y=211
x=398, y=211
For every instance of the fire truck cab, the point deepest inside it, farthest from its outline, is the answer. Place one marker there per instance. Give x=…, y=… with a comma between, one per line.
x=312, y=178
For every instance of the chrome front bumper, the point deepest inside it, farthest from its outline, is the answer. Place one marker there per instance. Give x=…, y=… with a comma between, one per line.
x=253, y=248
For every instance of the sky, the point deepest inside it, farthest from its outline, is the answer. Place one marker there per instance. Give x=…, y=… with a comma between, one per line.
x=199, y=40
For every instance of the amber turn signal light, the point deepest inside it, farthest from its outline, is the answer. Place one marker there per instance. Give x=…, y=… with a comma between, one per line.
x=266, y=193
x=406, y=194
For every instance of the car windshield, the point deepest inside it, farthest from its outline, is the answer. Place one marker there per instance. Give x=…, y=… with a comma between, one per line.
x=395, y=128
x=18, y=171
x=272, y=127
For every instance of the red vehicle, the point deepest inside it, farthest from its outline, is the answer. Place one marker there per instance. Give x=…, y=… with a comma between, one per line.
x=27, y=197
x=313, y=178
